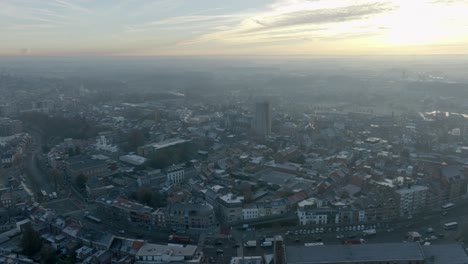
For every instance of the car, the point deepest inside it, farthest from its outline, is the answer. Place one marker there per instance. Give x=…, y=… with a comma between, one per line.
x=340, y=236
x=390, y=230
x=338, y=229
x=219, y=251
x=122, y=231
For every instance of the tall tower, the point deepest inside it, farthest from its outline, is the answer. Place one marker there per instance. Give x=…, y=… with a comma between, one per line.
x=262, y=119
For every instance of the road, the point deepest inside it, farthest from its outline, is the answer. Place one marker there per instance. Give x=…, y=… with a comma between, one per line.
x=386, y=232
x=38, y=180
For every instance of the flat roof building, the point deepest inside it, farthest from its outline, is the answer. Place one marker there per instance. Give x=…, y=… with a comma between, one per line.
x=395, y=253
x=154, y=253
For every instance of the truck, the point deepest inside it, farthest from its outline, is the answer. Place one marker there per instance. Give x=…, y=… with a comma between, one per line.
x=267, y=244
x=369, y=232
x=448, y=206
x=251, y=243
x=314, y=244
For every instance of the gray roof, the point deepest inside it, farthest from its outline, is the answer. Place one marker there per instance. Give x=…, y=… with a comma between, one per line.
x=441, y=254
x=354, y=253
x=173, y=250
x=452, y=171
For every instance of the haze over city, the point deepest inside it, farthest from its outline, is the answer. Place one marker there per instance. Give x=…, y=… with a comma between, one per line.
x=240, y=132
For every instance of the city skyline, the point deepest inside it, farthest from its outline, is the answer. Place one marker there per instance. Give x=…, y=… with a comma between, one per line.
x=259, y=27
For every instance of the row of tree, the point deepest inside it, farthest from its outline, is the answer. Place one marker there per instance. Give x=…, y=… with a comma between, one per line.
x=31, y=245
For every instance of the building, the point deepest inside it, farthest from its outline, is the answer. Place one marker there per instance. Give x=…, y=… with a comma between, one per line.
x=453, y=182
x=272, y=207
x=262, y=119
x=86, y=166
x=411, y=200
x=154, y=253
x=175, y=174
x=133, y=159
x=250, y=212
x=122, y=209
x=10, y=127
x=6, y=199
x=158, y=217
x=313, y=211
x=154, y=148
x=183, y=216
x=230, y=207
x=395, y=253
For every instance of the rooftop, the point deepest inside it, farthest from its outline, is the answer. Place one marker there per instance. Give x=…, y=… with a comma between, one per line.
x=231, y=198
x=354, y=253
x=166, y=143
x=413, y=188
x=172, y=250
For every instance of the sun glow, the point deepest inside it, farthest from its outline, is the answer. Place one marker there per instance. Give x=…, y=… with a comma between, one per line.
x=419, y=22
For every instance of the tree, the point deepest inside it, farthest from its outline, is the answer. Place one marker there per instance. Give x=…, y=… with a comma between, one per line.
x=30, y=241
x=55, y=176
x=80, y=181
x=145, y=195
x=149, y=197
x=48, y=255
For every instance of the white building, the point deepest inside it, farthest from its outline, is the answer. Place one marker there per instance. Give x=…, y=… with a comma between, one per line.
x=133, y=159
x=175, y=174
x=412, y=199
x=250, y=212
x=310, y=211
x=154, y=253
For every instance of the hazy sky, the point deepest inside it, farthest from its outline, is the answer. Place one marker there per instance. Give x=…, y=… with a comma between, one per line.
x=233, y=27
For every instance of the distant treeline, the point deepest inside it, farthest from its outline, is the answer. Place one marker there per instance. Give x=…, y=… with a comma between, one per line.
x=57, y=126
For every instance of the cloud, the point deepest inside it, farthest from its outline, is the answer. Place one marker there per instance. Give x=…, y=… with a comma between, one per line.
x=290, y=20
x=185, y=23
x=320, y=16
x=72, y=6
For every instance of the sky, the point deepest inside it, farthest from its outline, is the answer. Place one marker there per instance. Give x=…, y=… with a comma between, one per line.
x=232, y=27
